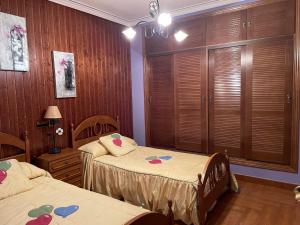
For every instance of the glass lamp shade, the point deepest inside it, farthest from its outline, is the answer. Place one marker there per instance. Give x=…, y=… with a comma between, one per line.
x=52, y=113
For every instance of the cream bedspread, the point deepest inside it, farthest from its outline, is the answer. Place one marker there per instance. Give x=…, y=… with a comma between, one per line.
x=94, y=209
x=141, y=183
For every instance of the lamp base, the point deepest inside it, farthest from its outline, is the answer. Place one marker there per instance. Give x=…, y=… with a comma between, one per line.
x=54, y=150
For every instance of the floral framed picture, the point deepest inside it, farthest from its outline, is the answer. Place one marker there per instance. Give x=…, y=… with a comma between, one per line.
x=64, y=74
x=13, y=43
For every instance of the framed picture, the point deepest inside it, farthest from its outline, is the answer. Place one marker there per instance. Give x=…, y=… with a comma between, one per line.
x=64, y=73
x=13, y=43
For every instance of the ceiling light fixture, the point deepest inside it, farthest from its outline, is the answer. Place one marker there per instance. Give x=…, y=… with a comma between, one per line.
x=164, y=20
x=180, y=36
x=129, y=33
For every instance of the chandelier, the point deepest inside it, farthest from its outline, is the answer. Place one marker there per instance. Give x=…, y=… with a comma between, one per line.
x=161, y=28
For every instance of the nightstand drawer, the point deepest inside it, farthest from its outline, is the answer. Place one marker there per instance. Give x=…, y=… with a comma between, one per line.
x=68, y=174
x=64, y=163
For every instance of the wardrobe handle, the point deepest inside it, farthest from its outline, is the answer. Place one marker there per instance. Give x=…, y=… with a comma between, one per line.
x=289, y=98
x=150, y=99
x=244, y=25
x=249, y=23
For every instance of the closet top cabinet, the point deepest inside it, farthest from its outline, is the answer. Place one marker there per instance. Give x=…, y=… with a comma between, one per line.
x=224, y=28
x=264, y=21
x=271, y=20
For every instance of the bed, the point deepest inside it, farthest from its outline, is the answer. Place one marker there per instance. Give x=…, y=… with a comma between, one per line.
x=38, y=199
x=192, y=182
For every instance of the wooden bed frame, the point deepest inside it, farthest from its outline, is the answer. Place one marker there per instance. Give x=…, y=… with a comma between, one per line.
x=210, y=187
x=143, y=219
x=10, y=140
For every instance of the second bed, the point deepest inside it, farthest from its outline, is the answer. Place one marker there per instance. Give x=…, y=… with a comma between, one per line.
x=150, y=177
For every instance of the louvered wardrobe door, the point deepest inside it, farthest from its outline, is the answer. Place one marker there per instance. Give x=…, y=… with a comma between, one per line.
x=269, y=94
x=190, y=82
x=226, y=100
x=161, y=101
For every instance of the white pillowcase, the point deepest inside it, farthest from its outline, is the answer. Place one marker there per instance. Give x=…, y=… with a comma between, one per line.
x=12, y=179
x=95, y=148
x=117, y=145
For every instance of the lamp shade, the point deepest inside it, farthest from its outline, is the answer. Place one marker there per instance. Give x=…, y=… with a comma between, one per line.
x=52, y=113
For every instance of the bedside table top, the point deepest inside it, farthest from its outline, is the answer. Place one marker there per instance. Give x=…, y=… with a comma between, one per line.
x=66, y=152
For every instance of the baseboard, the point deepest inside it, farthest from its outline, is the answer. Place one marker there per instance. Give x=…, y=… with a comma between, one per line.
x=272, y=183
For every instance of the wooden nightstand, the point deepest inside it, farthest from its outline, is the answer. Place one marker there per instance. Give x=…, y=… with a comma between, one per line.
x=64, y=166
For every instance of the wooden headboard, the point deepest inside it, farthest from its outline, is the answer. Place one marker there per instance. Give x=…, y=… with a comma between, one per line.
x=10, y=140
x=93, y=128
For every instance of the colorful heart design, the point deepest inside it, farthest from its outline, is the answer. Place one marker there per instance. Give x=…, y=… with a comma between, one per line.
x=151, y=158
x=117, y=142
x=44, y=209
x=155, y=161
x=3, y=176
x=5, y=165
x=116, y=136
x=165, y=157
x=41, y=220
x=66, y=211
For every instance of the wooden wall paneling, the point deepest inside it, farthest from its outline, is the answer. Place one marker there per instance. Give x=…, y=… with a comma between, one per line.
x=226, y=100
x=270, y=78
x=228, y=27
x=101, y=59
x=196, y=29
x=190, y=92
x=161, y=90
x=271, y=20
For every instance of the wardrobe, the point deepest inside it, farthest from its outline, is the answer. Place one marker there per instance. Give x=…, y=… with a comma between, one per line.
x=230, y=86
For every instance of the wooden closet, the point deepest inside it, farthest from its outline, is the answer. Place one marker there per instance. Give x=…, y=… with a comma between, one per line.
x=228, y=86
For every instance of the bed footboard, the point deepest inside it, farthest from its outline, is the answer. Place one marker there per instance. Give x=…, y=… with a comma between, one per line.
x=215, y=182
x=154, y=218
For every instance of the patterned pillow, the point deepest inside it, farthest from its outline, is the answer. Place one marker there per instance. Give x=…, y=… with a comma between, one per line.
x=12, y=179
x=130, y=140
x=95, y=148
x=117, y=145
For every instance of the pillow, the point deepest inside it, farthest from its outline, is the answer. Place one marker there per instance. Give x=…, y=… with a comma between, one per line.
x=95, y=148
x=130, y=140
x=32, y=171
x=12, y=179
x=117, y=145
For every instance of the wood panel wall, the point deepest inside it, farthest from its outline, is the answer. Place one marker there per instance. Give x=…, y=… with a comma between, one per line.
x=102, y=58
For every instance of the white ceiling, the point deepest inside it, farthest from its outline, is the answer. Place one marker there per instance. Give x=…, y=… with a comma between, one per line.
x=129, y=12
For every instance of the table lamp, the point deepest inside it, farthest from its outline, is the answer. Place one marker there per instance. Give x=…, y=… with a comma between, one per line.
x=53, y=115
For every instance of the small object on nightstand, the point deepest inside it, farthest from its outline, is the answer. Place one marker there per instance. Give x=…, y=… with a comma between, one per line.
x=65, y=166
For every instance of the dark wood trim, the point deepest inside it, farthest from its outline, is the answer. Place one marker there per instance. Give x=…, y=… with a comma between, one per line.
x=272, y=183
x=263, y=165
x=296, y=94
x=227, y=45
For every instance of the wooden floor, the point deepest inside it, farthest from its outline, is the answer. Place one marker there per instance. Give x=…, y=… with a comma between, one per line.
x=257, y=204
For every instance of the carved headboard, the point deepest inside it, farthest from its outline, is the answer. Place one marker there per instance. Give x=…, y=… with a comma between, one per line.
x=10, y=140
x=92, y=128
